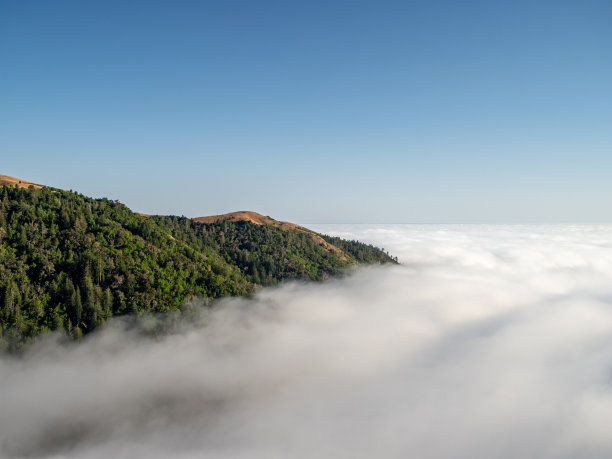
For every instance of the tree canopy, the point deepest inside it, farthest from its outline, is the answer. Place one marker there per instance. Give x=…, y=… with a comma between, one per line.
x=70, y=262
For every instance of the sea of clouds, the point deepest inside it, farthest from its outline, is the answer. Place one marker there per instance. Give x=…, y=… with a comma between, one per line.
x=487, y=342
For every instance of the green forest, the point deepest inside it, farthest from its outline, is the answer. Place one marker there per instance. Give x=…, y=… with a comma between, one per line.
x=69, y=262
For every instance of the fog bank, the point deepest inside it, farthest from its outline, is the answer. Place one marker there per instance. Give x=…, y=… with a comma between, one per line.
x=488, y=342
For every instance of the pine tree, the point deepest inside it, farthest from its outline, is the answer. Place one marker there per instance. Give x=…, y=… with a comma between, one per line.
x=91, y=310
x=107, y=304
x=76, y=306
x=17, y=319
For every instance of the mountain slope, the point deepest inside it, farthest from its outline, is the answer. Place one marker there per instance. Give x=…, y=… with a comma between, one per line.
x=247, y=216
x=13, y=181
x=71, y=262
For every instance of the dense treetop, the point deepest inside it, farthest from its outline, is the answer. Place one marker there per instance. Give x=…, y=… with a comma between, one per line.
x=69, y=262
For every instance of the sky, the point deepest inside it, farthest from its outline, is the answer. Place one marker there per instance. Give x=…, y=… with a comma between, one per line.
x=319, y=111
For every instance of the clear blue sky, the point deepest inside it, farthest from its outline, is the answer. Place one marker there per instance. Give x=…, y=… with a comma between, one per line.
x=330, y=111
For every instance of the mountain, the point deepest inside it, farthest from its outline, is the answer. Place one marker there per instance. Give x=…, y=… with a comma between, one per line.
x=70, y=262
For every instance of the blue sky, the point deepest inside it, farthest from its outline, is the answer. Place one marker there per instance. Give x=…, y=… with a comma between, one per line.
x=346, y=111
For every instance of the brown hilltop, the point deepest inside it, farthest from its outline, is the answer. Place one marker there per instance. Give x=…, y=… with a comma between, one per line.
x=246, y=216
x=259, y=219
x=12, y=181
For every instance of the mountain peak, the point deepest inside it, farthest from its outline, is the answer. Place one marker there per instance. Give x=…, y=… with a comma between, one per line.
x=248, y=216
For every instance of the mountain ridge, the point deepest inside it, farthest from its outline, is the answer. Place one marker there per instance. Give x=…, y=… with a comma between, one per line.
x=237, y=216
x=70, y=262
x=241, y=215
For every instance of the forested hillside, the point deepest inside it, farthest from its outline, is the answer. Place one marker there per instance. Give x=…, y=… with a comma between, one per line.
x=71, y=262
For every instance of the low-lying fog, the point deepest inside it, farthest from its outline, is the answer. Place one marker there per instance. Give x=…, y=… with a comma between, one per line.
x=488, y=342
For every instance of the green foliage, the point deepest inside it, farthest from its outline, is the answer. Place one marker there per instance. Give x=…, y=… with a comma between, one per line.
x=362, y=253
x=71, y=262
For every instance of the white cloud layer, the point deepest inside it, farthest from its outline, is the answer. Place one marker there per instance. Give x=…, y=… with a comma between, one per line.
x=489, y=342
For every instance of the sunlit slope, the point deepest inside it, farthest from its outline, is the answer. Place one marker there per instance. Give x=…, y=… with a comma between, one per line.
x=247, y=216
x=13, y=181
